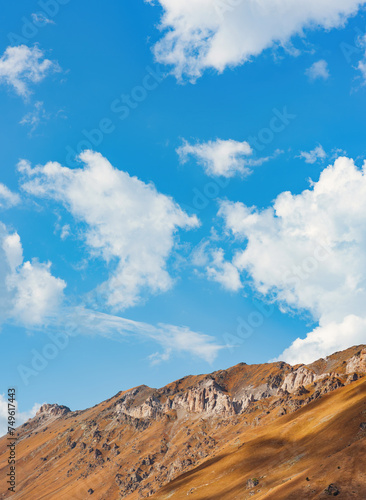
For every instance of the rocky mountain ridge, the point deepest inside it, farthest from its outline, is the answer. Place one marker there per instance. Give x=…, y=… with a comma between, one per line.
x=136, y=443
x=210, y=394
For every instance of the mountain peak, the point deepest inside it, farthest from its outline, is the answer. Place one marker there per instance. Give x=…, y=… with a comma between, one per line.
x=52, y=410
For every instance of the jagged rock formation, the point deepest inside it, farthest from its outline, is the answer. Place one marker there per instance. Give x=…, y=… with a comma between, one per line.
x=141, y=441
x=48, y=410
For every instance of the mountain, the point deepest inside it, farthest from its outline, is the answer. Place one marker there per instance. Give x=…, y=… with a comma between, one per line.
x=268, y=431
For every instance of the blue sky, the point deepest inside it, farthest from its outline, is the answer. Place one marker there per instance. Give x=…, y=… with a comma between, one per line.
x=163, y=256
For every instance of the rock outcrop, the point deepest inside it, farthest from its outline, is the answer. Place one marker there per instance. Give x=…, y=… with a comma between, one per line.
x=357, y=364
x=52, y=410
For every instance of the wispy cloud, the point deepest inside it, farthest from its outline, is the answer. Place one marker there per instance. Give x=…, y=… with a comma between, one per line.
x=173, y=340
x=35, y=117
x=362, y=63
x=7, y=197
x=41, y=19
x=318, y=71
x=314, y=155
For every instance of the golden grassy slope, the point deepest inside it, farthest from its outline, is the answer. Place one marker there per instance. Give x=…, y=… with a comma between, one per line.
x=322, y=441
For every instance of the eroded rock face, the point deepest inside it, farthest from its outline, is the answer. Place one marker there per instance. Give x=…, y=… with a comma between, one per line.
x=357, y=364
x=151, y=408
x=210, y=398
x=206, y=397
x=300, y=377
x=132, y=404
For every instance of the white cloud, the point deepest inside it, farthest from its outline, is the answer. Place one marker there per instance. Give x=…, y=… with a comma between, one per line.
x=224, y=272
x=314, y=155
x=318, y=71
x=327, y=339
x=21, y=417
x=216, y=267
x=225, y=158
x=32, y=297
x=22, y=65
x=41, y=19
x=361, y=43
x=65, y=231
x=35, y=117
x=36, y=292
x=7, y=197
x=307, y=253
x=171, y=338
x=127, y=223
x=219, y=158
x=201, y=34
x=183, y=340
x=129, y=220
x=362, y=67
x=29, y=293
x=12, y=248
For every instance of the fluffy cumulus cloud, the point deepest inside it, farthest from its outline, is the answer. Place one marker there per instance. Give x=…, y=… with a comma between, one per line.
x=21, y=417
x=7, y=197
x=219, y=158
x=36, y=292
x=307, y=253
x=21, y=66
x=318, y=71
x=200, y=34
x=314, y=155
x=126, y=222
x=30, y=294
